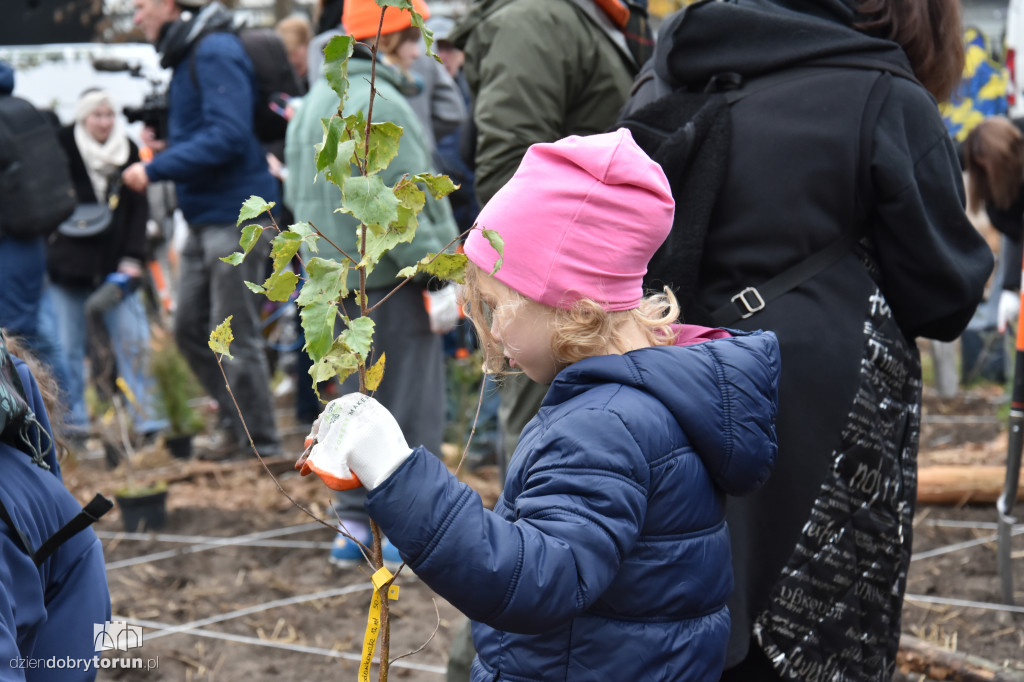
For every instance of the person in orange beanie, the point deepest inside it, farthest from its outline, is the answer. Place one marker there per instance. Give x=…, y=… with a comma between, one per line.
x=399, y=39
x=413, y=388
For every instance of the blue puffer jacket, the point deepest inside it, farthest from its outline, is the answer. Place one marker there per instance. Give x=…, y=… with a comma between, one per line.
x=213, y=155
x=46, y=612
x=607, y=556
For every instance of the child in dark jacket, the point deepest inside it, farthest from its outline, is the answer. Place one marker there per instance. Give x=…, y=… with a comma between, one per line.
x=607, y=556
x=53, y=582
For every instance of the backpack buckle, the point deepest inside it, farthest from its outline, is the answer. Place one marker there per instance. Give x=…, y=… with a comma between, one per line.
x=749, y=298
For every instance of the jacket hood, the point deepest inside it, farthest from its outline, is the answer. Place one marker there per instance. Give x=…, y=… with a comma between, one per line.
x=178, y=37
x=722, y=391
x=478, y=11
x=6, y=79
x=752, y=37
x=481, y=9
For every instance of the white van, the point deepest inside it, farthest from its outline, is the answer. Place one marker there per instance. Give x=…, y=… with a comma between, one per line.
x=53, y=76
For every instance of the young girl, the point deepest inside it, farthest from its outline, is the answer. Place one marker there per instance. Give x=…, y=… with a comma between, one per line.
x=607, y=556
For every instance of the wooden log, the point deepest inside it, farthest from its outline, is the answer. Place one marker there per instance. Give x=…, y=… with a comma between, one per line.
x=961, y=484
x=918, y=656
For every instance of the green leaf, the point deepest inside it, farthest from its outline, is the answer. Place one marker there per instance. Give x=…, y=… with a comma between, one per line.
x=370, y=201
x=336, y=55
x=498, y=244
x=325, y=281
x=447, y=266
x=411, y=201
x=355, y=125
x=250, y=237
x=338, y=362
x=221, y=338
x=379, y=242
x=375, y=374
x=438, y=185
x=410, y=196
x=309, y=236
x=253, y=207
x=428, y=35
x=327, y=150
x=384, y=139
x=334, y=154
x=318, y=325
x=280, y=285
x=256, y=288
x=284, y=247
x=358, y=336
x=339, y=170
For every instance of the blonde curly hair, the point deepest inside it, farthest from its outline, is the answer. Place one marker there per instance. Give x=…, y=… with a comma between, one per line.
x=584, y=330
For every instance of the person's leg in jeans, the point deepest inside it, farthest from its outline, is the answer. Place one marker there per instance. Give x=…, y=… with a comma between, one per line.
x=69, y=312
x=46, y=346
x=129, y=331
x=210, y=292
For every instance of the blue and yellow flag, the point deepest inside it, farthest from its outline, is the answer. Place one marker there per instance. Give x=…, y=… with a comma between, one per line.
x=982, y=90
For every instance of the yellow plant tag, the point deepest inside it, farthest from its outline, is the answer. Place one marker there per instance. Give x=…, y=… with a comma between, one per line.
x=379, y=580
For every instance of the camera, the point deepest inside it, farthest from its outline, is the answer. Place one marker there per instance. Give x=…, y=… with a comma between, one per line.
x=153, y=112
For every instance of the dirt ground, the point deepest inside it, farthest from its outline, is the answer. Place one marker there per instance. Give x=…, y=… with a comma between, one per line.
x=267, y=606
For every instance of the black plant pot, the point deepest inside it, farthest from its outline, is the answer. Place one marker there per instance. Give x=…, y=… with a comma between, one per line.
x=180, y=446
x=144, y=512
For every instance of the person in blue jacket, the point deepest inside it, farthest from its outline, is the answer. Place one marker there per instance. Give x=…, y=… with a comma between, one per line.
x=216, y=162
x=607, y=556
x=53, y=583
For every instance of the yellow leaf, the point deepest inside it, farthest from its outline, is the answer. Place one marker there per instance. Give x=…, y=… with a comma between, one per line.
x=221, y=338
x=375, y=374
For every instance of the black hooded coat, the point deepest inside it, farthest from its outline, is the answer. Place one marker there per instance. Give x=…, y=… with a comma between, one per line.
x=821, y=552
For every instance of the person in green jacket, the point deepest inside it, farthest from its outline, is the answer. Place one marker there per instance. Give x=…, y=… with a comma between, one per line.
x=413, y=388
x=539, y=71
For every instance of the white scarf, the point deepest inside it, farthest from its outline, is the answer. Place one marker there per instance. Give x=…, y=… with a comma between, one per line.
x=102, y=161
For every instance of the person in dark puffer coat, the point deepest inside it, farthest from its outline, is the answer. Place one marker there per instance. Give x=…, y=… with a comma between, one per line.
x=607, y=556
x=47, y=611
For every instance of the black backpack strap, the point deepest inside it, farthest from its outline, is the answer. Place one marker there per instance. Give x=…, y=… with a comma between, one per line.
x=89, y=515
x=754, y=299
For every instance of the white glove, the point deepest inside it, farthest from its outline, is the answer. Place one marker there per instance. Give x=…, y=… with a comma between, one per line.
x=1009, y=307
x=354, y=442
x=443, y=308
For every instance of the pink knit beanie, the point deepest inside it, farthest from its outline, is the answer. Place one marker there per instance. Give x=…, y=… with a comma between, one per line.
x=580, y=218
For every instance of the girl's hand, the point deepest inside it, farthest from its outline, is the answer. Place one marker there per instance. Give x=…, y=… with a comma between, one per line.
x=354, y=442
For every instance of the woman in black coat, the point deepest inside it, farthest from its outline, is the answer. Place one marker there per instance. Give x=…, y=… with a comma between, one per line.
x=838, y=223
x=96, y=260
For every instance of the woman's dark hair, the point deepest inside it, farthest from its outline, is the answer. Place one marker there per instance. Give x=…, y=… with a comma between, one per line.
x=929, y=31
x=994, y=160
x=330, y=15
